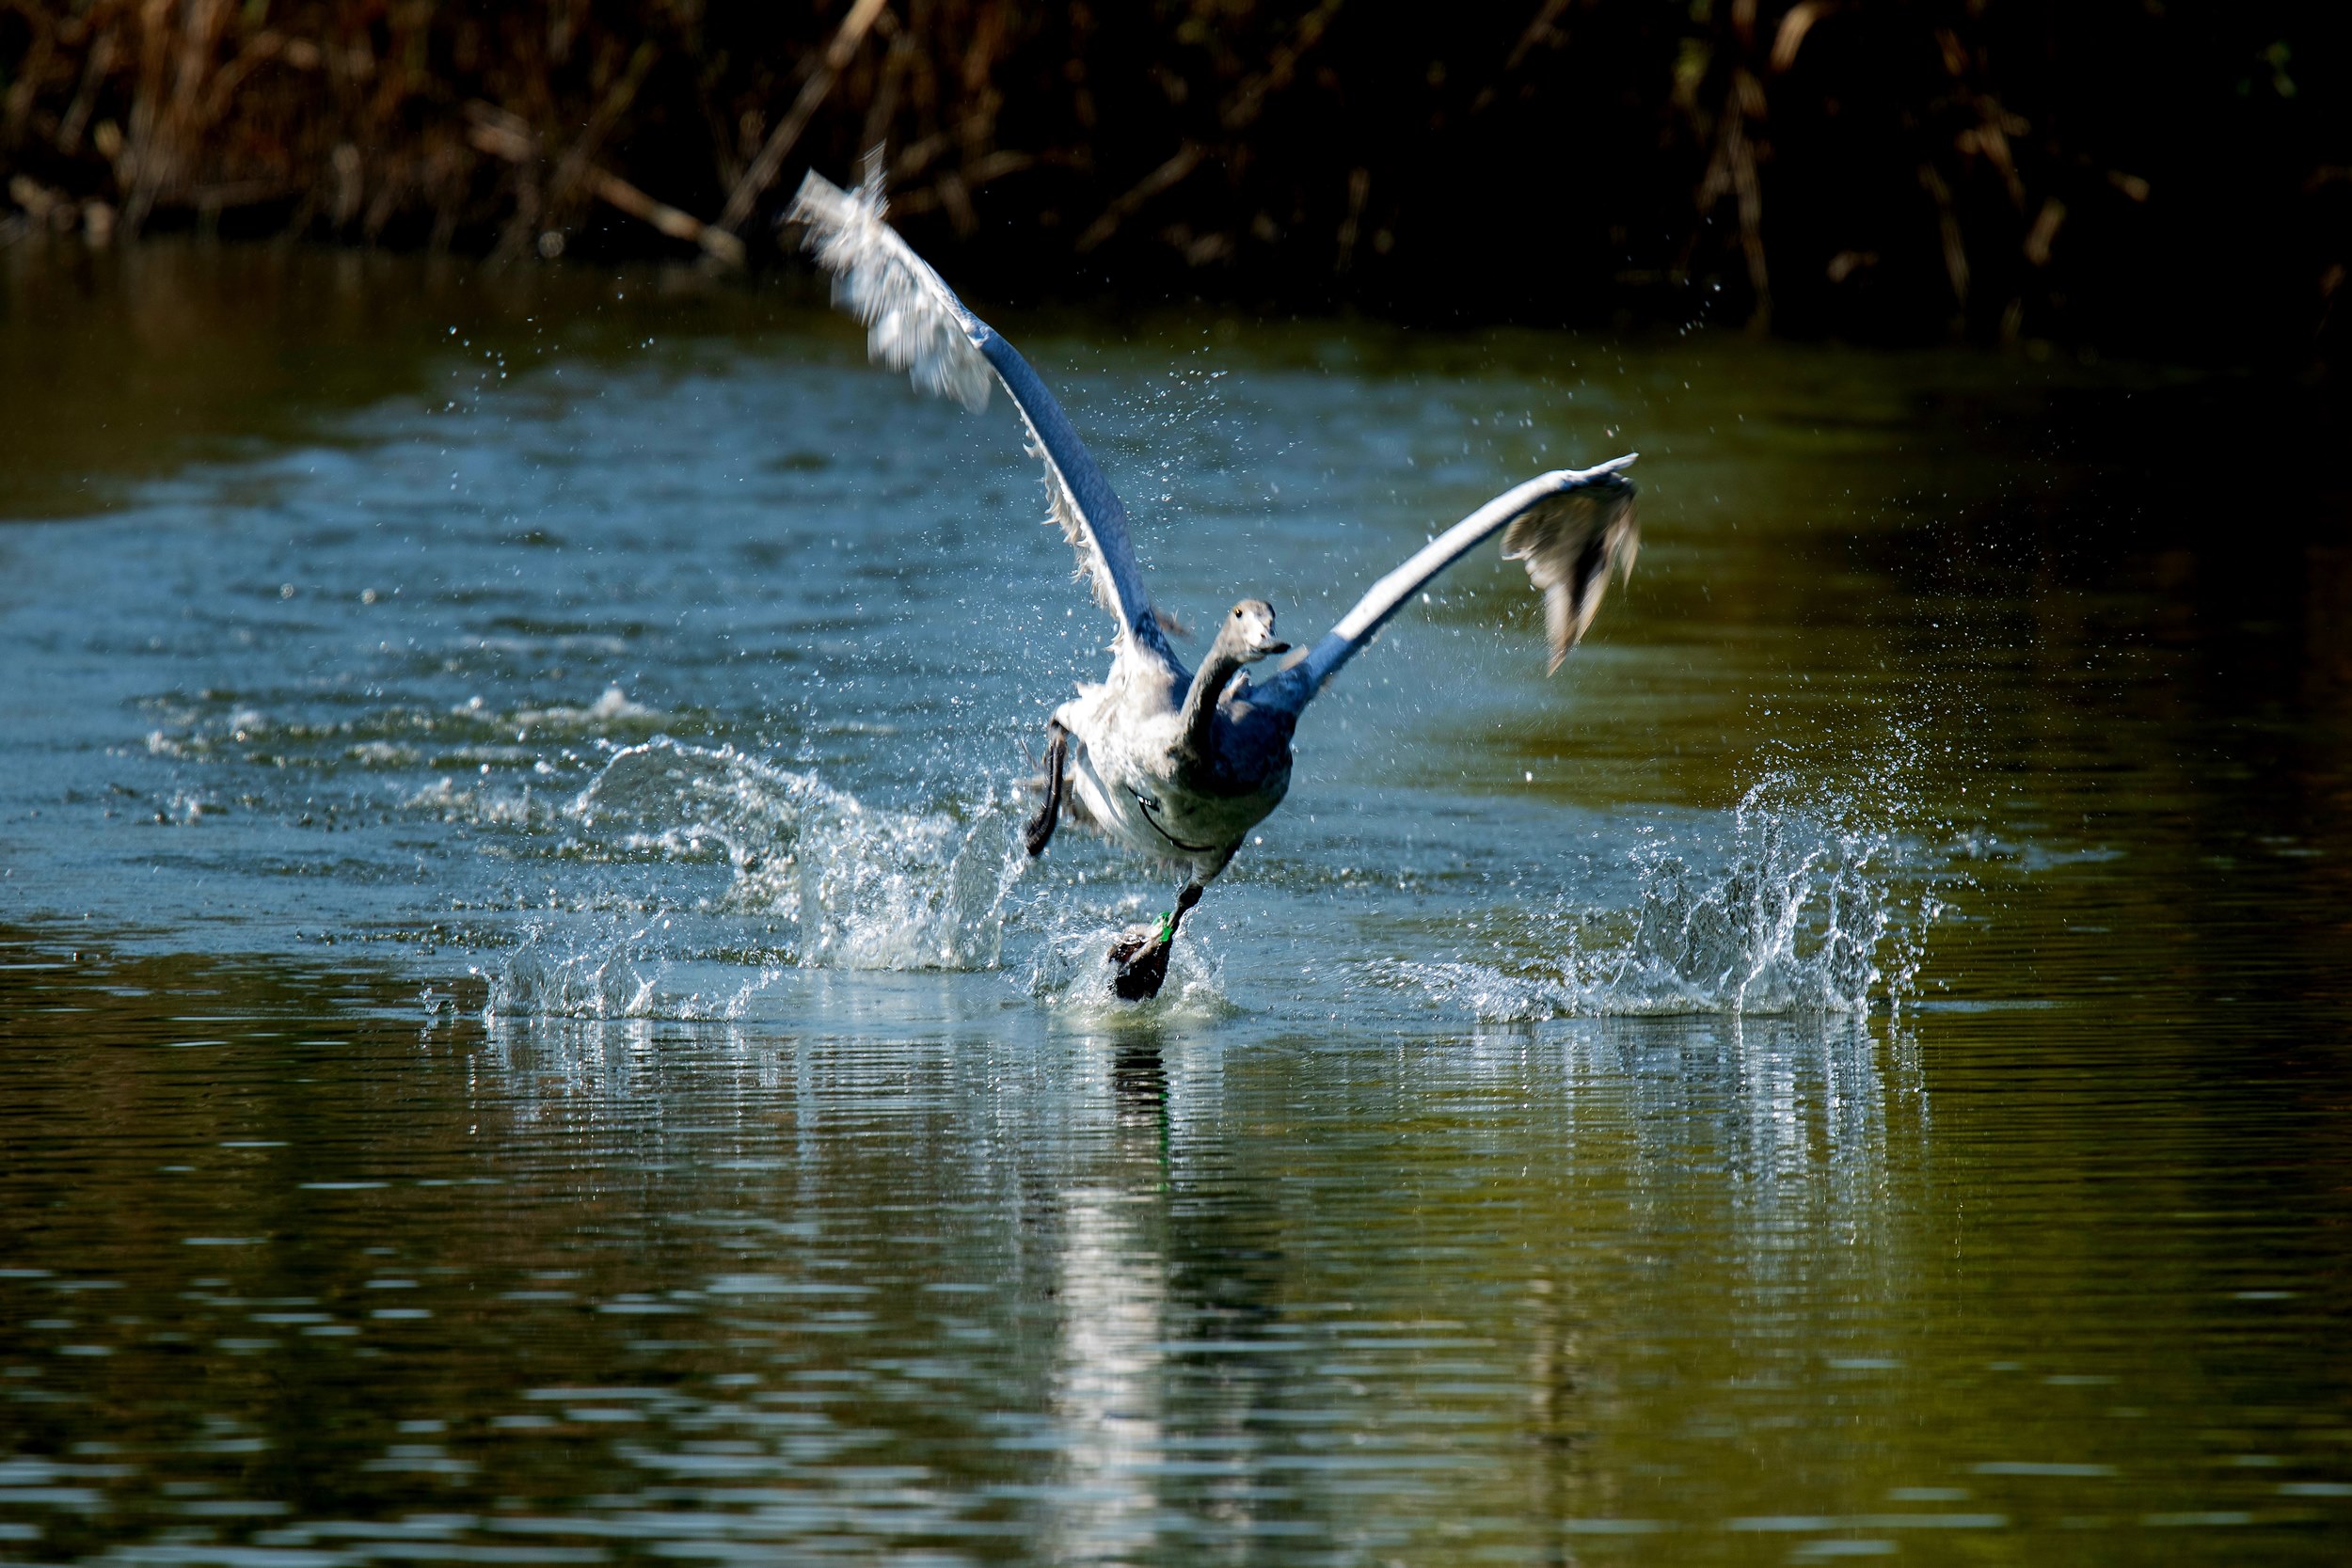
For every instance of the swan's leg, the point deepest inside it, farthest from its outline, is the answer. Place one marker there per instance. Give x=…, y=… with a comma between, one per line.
x=1142, y=955
x=1040, y=832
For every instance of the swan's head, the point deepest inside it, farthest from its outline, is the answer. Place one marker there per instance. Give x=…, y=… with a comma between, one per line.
x=1248, y=632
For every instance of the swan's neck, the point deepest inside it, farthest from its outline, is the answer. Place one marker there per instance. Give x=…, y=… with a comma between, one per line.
x=1199, y=714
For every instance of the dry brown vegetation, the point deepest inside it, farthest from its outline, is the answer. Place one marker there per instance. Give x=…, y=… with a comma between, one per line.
x=2085, y=168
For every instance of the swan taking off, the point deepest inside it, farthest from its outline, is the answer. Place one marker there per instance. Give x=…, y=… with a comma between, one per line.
x=1176, y=764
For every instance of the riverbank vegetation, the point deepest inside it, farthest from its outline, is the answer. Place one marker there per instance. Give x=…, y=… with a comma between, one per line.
x=2167, y=177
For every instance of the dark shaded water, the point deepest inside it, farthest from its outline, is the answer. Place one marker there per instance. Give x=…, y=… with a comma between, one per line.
x=524, y=1035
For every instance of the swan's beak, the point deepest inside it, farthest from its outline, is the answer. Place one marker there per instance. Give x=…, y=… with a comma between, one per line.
x=1273, y=648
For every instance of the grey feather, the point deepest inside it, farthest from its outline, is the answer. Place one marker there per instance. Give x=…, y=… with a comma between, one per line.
x=1061, y=508
x=1572, y=543
x=914, y=322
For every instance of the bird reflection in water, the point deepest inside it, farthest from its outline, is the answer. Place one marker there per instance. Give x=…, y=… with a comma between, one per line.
x=1139, y=1088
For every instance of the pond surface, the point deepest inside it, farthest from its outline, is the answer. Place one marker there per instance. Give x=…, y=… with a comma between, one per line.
x=526, y=1037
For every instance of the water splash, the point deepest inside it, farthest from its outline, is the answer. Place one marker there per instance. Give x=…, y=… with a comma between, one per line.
x=867, y=888
x=480, y=803
x=843, y=884
x=559, y=977
x=1070, y=970
x=618, y=973
x=1818, y=894
x=1820, y=903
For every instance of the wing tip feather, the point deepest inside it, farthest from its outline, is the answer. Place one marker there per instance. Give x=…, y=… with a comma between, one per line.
x=1571, y=543
x=914, y=322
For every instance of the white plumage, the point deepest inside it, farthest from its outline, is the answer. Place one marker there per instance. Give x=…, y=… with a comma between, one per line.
x=914, y=320
x=1181, y=765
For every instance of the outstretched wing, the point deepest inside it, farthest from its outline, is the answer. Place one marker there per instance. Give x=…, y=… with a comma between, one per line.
x=915, y=323
x=1572, y=527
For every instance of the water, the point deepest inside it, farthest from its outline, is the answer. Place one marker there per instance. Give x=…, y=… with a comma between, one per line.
x=528, y=1038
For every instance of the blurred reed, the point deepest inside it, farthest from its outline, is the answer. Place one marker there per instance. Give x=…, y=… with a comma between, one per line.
x=1879, y=167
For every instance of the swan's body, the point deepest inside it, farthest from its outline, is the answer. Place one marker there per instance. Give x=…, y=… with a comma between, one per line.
x=1181, y=765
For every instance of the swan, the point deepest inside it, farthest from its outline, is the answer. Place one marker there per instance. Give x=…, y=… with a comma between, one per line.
x=1181, y=765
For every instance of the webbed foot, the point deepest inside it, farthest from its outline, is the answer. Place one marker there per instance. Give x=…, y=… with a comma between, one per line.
x=1040, y=832
x=1142, y=954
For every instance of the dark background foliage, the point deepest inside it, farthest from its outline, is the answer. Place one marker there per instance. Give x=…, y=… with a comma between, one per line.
x=2161, y=176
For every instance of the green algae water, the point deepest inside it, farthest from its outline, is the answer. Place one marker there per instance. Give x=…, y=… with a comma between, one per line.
x=526, y=1034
